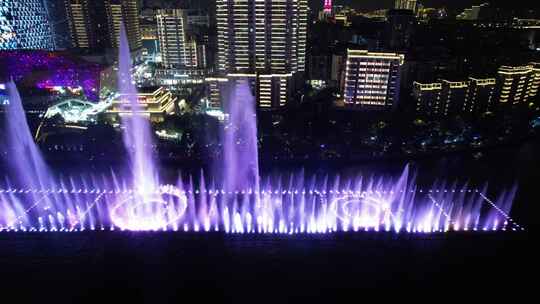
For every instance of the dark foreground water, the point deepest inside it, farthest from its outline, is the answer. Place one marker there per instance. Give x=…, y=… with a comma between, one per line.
x=347, y=268
x=172, y=268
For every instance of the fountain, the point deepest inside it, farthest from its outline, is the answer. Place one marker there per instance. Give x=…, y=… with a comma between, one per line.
x=144, y=209
x=32, y=200
x=29, y=164
x=241, y=163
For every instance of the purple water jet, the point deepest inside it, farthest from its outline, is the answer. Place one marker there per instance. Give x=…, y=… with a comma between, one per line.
x=241, y=161
x=308, y=205
x=137, y=133
x=25, y=158
x=145, y=208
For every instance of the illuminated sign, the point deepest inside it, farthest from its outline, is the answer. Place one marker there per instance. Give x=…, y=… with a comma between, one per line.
x=328, y=6
x=4, y=101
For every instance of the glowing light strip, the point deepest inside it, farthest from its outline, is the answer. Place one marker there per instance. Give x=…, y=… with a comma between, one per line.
x=238, y=226
x=501, y=212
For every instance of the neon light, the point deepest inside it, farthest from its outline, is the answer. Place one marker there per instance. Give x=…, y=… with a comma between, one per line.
x=328, y=6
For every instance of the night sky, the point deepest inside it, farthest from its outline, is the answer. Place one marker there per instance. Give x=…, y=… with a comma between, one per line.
x=454, y=4
x=371, y=4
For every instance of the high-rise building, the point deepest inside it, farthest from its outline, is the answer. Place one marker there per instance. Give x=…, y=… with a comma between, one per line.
x=87, y=24
x=124, y=12
x=400, y=29
x=480, y=95
x=517, y=85
x=178, y=49
x=406, y=5
x=266, y=40
x=262, y=35
x=25, y=24
x=372, y=79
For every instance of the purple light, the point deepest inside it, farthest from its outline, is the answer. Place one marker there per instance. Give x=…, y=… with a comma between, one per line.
x=172, y=209
x=238, y=202
x=44, y=70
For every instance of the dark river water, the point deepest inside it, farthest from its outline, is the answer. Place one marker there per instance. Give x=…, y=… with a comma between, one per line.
x=167, y=268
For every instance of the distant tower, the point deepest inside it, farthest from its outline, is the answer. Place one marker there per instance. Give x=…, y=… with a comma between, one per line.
x=328, y=6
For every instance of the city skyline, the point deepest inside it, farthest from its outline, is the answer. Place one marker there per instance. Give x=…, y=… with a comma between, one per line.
x=267, y=150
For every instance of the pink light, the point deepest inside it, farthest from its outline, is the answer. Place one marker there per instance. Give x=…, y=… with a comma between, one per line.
x=328, y=6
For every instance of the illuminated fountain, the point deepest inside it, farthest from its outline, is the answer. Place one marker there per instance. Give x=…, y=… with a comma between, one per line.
x=293, y=204
x=241, y=161
x=29, y=164
x=32, y=200
x=145, y=208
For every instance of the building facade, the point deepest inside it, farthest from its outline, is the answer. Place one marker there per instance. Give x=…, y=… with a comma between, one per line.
x=265, y=36
x=518, y=84
x=25, y=24
x=58, y=19
x=406, y=5
x=453, y=97
x=372, y=80
x=196, y=18
x=448, y=98
x=427, y=97
x=177, y=49
x=264, y=40
x=124, y=12
x=217, y=91
x=87, y=24
x=440, y=99
x=480, y=95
